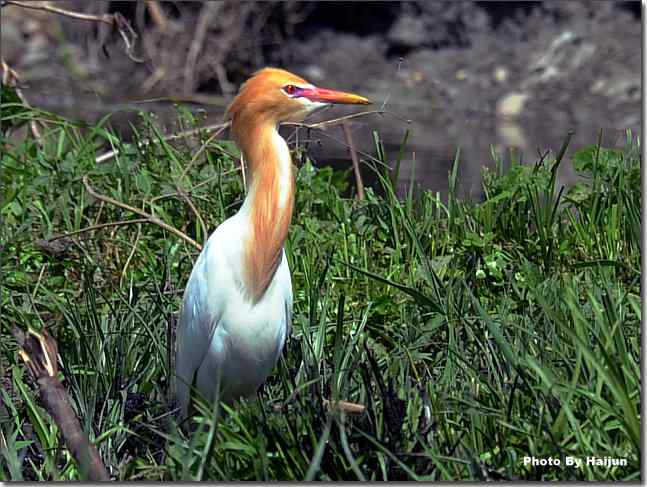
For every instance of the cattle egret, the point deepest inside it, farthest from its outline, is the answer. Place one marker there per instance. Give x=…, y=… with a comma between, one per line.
x=237, y=307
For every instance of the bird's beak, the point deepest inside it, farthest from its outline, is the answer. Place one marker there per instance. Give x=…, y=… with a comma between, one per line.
x=323, y=95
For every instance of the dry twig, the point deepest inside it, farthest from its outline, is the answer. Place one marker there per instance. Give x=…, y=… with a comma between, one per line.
x=340, y=406
x=182, y=54
x=98, y=227
x=157, y=14
x=196, y=186
x=117, y=20
x=149, y=218
x=353, y=155
x=219, y=128
x=195, y=211
x=46, y=7
x=130, y=256
x=336, y=121
x=207, y=13
x=10, y=78
x=39, y=352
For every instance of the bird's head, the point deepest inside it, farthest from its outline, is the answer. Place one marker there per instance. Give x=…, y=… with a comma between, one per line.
x=274, y=95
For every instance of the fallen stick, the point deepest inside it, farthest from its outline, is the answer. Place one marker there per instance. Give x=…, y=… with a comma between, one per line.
x=39, y=351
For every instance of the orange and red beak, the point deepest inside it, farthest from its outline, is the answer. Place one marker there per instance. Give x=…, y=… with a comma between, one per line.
x=323, y=95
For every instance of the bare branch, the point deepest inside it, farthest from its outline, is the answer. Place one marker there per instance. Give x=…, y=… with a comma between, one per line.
x=149, y=218
x=46, y=7
x=336, y=121
x=39, y=352
x=219, y=128
x=362, y=153
x=157, y=14
x=201, y=149
x=198, y=98
x=186, y=198
x=129, y=36
x=353, y=156
x=98, y=227
x=347, y=407
x=117, y=20
x=208, y=180
x=207, y=13
x=11, y=78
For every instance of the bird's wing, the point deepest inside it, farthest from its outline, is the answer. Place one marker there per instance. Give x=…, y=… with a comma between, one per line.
x=288, y=300
x=198, y=322
x=208, y=293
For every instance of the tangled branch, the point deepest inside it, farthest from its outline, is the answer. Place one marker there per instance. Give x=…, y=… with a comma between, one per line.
x=116, y=20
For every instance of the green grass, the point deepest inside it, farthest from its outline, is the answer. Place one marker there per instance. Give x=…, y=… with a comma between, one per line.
x=475, y=333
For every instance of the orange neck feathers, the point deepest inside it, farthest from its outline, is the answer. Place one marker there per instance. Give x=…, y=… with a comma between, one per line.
x=271, y=96
x=255, y=114
x=269, y=202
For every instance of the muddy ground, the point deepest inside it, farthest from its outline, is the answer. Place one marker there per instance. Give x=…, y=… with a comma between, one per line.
x=467, y=74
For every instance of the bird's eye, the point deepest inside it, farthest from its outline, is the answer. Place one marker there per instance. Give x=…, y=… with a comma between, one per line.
x=290, y=89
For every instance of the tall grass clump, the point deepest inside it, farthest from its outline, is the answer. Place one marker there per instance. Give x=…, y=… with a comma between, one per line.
x=475, y=334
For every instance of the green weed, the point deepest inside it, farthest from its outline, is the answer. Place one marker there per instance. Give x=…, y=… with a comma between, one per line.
x=476, y=334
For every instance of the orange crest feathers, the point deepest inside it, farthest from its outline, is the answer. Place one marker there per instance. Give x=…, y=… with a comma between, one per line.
x=260, y=96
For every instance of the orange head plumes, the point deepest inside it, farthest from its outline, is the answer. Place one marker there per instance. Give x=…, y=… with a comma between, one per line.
x=269, y=97
x=274, y=95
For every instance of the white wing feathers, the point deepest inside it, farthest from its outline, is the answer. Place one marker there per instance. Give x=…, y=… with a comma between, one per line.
x=192, y=336
x=222, y=335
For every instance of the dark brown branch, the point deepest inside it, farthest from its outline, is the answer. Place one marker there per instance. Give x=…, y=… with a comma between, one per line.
x=39, y=352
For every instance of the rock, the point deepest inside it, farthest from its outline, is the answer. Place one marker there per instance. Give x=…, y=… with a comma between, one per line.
x=511, y=105
x=512, y=135
x=564, y=55
x=622, y=88
x=500, y=74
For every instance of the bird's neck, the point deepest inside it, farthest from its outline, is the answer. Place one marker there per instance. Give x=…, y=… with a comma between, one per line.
x=268, y=204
